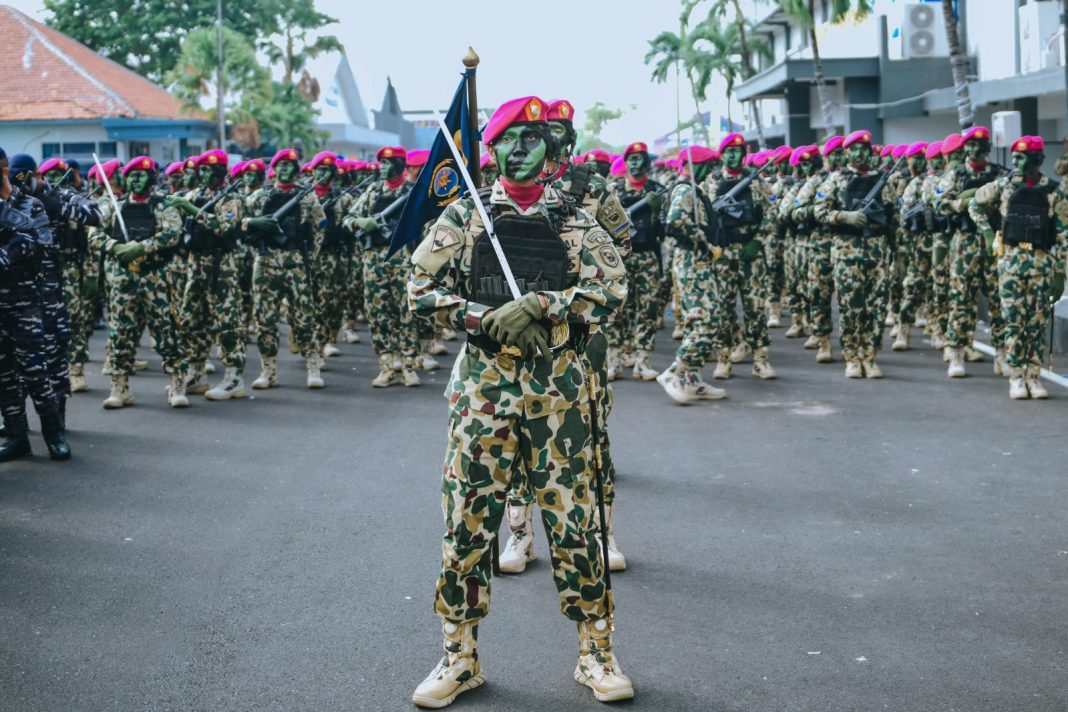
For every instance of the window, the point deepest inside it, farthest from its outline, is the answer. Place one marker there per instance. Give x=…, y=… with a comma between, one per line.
x=107, y=149
x=140, y=148
x=51, y=150
x=81, y=149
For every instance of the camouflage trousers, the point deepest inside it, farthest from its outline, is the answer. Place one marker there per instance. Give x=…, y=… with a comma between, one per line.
x=245, y=263
x=352, y=292
x=385, y=284
x=640, y=315
x=138, y=298
x=56, y=322
x=860, y=274
x=972, y=272
x=498, y=424
x=938, y=300
x=282, y=275
x=775, y=246
x=23, y=351
x=820, y=290
x=737, y=279
x=330, y=283
x=666, y=294
x=917, y=283
x=78, y=268
x=213, y=308
x=795, y=273
x=699, y=305
x=1025, y=280
x=900, y=256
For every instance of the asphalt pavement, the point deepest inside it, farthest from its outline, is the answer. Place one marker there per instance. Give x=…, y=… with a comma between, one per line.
x=810, y=543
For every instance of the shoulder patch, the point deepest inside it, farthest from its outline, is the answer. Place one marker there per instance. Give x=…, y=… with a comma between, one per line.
x=443, y=237
x=598, y=237
x=609, y=255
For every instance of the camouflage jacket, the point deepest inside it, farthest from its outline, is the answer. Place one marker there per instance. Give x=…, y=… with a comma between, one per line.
x=167, y=237
x=946, y=194
x=311, y=214
x=438, y=286
x=994, y=198
x=804, y=202
x=337, y=212
x=623, y=187
x=760, y=191
x=681, y=222
x=831, y=196
x=777, y=193
x=228, y=212
x=601, y=201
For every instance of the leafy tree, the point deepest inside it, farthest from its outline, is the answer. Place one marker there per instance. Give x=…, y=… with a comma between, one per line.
x=146, y=35
x=589, y=136
x=293, y=50
x=286, y=118
x=669, y=51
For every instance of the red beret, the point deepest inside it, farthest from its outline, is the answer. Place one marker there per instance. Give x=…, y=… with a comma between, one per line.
x=110, y=167
x=256, y=164
x=391, y=152
x=731, y=139
x=306, y=168
x=803, y=153
x=697, y=154
x=286, y=154
x=861, y=136
x=52, y=164
x=951, y=143
x=324, y=158
x=214, y=157
x=1026, y=144
x=191, y=163
x=782, y=153
x=486, y=160
x=522, y=110
x=357, y=165
x=578, y=160
x=238, y=168
x=560, y=110
x=758, y=159
x=934, y=149
x=636, y=147
x=914, y=149
x=140, y=163
x=175, y=167
x=899, y=151
x=93, y=173
x=619, y=167
x=715, y=154
x=598, y=154
x=887, y=150
x=418, y=157
x=977, y=133
x=373, y=166
x=832, y=144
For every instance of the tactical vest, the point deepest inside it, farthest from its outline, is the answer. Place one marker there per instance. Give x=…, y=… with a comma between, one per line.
x=381, y=238
x=293, y=226
x=730, y=230
x=140, y=221
x=643, y=236
x=332, y=236
x=1027, y=218
x=856, y=191
x=199, y=239
x=581, y=175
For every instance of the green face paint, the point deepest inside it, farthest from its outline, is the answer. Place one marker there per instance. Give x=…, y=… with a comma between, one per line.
x=974, y=151
x=324, y=175
x=701, y=171
x=392, y=168
x=252, y=178
x=520, y=153
x=560, y=133
x=210, y=177
x=53, y=177
x=938, y=163
x=954, y=159
x=139, y=182
x=637, y=164
x=286, y=171
x=733, y=157
x=174, y=180
x=190, y=179
x=859, y=153
x=917, y=164
x=808, y=168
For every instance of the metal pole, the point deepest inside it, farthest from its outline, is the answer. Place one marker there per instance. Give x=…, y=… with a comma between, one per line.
x=220, y=116
x=474, y=151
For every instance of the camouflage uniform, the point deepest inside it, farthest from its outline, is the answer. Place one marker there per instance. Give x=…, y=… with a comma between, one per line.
x=972, y=268
x=507, y=413
x=639, y=319
x=903, y=244
x=143, y=292
x=916, y=287
x=860, y=270
x=1025, y=271
x=941, y=236
x=333, y=269
x=393, y=328
x=80, y=267
x=795, y=239
x=816, y=244
x=285, y=273
x=776, y=243
x=212, y=298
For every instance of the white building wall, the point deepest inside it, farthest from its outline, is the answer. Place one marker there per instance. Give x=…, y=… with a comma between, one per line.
x=29, y=138
x=992, y=38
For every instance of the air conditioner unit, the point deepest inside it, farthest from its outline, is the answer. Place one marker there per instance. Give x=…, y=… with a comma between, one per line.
x=923, y=31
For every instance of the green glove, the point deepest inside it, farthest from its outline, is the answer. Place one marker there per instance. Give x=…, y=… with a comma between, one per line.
x=751, y=250
x=966, y=195
x=988, y=238
x=853, y=218
x=533, y=342
x=128, y=252
x=655, y=201
x=1056, y=290
x=183, y=204
x=264, y=223
x=366, y=224
x=504, y=324
x=90, y=289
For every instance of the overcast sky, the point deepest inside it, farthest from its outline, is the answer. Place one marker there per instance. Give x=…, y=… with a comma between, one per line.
x=524, y=47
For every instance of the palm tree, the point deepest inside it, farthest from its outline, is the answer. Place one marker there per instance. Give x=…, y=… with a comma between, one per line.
x=669, y=50
x=803, y=12
x=957, y=60
x=297, y=18
x=746, y=47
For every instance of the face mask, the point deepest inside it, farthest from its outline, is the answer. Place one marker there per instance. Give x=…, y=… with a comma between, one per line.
x=520, y=153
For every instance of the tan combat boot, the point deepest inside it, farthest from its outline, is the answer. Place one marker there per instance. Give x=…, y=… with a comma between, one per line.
x=853, y=368
x=956, y=364
x=871, y=369
x=774, y=315
x=330, y=350
x=231, y=386
x=741, y=352
x=426, y=360
x=612, y=364
x=901, y=343
x=387, y=376
x=797, y=326
x=823, y=353
x=616, y=560
x=1017, y=387
x=642, y=370
x=78, y=384
x=812, y=342
x=761, y=367
x=351, y=336
x=176, y=397
x=1033, y=379
x=676, y=331
x=459, y=671
x=723, y=365
x=519, y=551
x=1000, y=367
x=972, y=354
x=197, y=385
x=268, y=377
x=120, y=393
x=315, y=375
x=679, y=385
x=408, y=375
x=597, y=666
x=437, y=347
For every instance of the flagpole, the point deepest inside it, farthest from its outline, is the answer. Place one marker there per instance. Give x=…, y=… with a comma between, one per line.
x=474, y=166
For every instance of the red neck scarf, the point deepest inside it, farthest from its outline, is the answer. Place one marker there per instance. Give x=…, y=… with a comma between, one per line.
x=285, y=187
x=977, y=166
x=394, y=184
x=321, y=190
x=731, y=171
x=523, y=195
x=638, y=185
x=140, y=198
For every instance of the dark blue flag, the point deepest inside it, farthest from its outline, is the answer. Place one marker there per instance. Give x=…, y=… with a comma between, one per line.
x=440, y=182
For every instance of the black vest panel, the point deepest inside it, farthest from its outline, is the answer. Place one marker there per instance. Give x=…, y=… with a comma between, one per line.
x=1027, y=219
x=643, y=236
x=292, y=226
x=856, y=191
x=536, y=254
x=140, y=220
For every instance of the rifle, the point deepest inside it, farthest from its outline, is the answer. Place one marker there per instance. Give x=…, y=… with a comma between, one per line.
x=727, y=204
x=633, y=209
x=351, y=190
x=382, y=219
x=871, y=204
x=279, y=238
x=203, y=210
